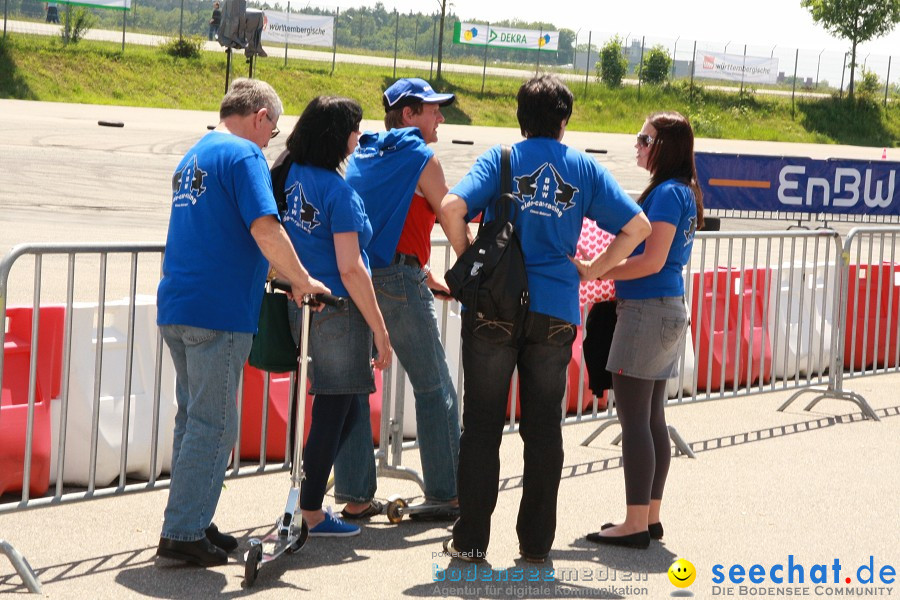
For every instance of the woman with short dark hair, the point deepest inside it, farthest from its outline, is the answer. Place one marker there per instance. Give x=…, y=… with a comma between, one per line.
x=328, y=226
x=651, y=322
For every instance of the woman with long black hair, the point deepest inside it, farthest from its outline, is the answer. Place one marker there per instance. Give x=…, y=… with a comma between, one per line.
x=327, y=224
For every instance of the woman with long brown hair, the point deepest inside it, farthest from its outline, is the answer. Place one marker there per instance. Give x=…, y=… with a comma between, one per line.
x=651, y=322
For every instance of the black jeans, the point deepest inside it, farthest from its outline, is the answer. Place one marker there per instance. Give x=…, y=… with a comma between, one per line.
x=542, y=354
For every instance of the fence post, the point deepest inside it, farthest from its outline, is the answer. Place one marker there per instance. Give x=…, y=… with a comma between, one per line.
x=181, y=22
x=587, y=64
x=744, y=67
x=843, y=72
x=641, y=66
x=537, y=65
x=818, y=64
x=433, y=30
x=337, y=14
x=794, y=87
x=887, y=82
x=286, y=33
x=693, y=66
x=124, y=15
x=486, y=44
x=674, y=52
x=396, y=40
x=5, y=10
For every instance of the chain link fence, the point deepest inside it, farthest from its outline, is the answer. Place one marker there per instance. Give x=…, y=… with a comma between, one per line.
x=382, y=31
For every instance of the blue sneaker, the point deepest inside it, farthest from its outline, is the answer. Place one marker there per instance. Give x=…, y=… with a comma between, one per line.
x=333, y=527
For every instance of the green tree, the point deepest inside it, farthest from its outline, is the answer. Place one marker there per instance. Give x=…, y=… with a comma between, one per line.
x=613, y=65
x=855, y=20
x=870, y=85
x=656, y=65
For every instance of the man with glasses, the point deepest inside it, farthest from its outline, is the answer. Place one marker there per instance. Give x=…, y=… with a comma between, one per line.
x=223, y=232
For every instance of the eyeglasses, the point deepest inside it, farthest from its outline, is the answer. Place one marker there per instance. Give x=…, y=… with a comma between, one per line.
x=644, y=140
x=275, y=130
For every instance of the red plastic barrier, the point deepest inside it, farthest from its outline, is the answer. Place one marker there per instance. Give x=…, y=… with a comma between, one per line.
x=571, y=388
x=14, y=396
x=723, y=339
x=50, y=342
x=279, y=402
x=13, y=421
x=868, y=286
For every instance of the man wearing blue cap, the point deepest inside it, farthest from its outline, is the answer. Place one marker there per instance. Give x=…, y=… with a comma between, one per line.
x=402, y=184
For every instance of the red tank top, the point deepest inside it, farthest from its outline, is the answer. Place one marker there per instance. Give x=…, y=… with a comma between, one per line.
x=415, y=238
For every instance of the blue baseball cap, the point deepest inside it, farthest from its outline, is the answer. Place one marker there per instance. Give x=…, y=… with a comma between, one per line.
x=407, y=91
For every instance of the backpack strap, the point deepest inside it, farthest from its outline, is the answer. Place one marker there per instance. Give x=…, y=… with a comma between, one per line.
x=279, y=174
x=505, y=169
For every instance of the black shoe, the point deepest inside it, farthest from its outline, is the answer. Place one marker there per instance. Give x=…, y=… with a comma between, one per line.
x=439, y=512
x=535, y=559
x=226, y=542
x=655, y=529
x=640, y=540
x=200, y=552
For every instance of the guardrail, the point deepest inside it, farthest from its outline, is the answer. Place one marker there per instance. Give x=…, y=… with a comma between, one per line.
x=770, y=311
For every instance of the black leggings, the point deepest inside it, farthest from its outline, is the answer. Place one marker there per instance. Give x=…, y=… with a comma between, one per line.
x=332, y=418
x=640, y=406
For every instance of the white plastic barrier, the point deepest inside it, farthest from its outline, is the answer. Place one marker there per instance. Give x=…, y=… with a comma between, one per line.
x=800, y=321
x=112, y=390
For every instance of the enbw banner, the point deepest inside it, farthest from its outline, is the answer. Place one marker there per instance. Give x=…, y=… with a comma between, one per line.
x=797, y=184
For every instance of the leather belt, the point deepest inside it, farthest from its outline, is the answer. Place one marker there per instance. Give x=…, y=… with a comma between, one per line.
x=406, y=259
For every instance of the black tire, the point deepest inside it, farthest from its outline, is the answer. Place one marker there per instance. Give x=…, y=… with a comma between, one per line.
x=464, y=142
x=111, y=123
x=301, y=540
x=251, y=566
x=595, y=151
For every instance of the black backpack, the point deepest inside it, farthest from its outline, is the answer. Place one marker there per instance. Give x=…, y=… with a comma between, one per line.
x=489, y=279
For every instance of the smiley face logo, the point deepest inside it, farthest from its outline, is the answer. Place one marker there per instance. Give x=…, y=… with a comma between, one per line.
x=682, y=573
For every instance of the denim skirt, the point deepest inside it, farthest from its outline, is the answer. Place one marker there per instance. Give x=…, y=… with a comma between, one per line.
x=649, y=337
x=340, y=349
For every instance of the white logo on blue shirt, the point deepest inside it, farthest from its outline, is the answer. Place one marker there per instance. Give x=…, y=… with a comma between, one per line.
x=543, y=191
x=187, y=184
x=300, y=212
x=689, y=232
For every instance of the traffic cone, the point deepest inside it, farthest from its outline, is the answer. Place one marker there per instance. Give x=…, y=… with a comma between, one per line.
x=884, y=154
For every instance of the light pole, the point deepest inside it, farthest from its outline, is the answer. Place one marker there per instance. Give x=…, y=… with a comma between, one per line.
x=575, y=51
x=726, y=48
x=772, y=54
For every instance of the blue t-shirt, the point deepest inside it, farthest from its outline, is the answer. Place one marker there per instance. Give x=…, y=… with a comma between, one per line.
x=213, y=271
x=384, y=170
x=319, y=205
x=555, y=187
x=669, y=202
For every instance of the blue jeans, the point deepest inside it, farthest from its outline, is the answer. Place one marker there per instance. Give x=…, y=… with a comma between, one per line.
x=408, y=308
x=542, y=354
x=207, y=365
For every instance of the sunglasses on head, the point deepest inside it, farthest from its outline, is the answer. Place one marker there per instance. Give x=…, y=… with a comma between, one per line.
x=644, y=140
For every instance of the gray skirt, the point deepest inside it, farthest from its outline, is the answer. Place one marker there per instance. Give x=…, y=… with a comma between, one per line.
x=649, y=338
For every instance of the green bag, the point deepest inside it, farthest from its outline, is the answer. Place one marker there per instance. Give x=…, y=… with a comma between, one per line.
x=273, y=346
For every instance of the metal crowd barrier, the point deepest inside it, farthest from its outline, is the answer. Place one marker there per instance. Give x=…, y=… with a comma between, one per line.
x=770, y=311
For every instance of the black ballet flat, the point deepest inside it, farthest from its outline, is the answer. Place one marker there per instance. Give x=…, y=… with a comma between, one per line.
x=655, y=529
x=639, y=540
